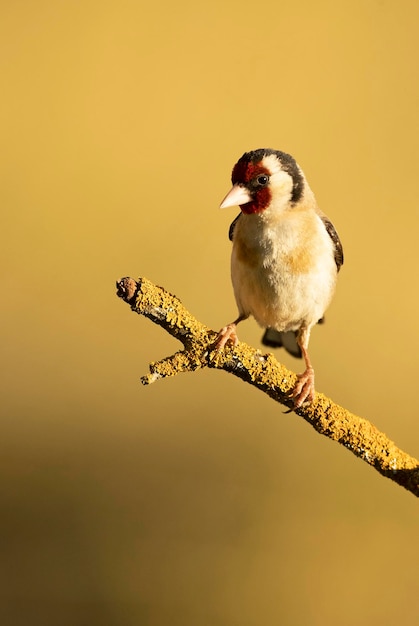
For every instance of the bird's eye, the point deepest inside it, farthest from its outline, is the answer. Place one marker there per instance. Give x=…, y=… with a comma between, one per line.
x=262, y=180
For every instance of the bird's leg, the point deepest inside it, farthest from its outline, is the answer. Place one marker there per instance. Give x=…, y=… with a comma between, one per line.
x=304, y=388
x=228, y=333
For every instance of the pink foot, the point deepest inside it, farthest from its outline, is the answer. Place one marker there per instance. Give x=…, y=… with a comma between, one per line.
x=228, y=333
x=304, y=389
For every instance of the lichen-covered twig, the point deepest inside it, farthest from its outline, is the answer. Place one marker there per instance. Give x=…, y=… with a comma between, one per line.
x=267, y=374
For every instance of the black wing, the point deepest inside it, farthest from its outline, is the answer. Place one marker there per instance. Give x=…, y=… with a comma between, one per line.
x=335, y=238
x=232, y=227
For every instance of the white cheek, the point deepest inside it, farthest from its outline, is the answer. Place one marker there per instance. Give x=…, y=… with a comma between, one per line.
x=280, y=183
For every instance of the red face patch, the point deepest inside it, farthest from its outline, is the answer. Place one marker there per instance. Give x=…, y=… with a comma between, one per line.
x=260, y=200
x=246, y=173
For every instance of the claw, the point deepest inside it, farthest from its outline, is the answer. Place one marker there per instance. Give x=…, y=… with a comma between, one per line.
x=228, y=333
x=304, y=389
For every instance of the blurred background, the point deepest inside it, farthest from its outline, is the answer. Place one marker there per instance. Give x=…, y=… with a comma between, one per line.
x=196, y=501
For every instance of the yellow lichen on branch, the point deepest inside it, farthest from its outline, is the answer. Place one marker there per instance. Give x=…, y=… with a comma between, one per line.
x=264, y=372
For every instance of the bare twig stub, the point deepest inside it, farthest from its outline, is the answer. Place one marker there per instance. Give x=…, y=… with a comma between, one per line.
x=267, y=374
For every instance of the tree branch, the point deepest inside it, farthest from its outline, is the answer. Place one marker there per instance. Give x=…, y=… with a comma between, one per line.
x=264, y=372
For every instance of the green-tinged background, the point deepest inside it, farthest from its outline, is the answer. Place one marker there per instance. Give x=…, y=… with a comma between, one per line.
x=196, y=501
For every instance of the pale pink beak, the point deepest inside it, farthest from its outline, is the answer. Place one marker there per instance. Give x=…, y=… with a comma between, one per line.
x=236, y=196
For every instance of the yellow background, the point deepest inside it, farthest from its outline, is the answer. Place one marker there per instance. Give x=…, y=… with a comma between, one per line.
x=196, y=501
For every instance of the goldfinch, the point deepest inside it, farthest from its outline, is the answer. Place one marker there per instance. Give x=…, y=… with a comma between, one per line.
x=285, y=258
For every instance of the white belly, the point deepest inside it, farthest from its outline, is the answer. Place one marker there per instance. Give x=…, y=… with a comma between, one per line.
x=280, y=275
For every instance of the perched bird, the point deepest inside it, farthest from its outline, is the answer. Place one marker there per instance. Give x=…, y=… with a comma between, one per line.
x=285, y=258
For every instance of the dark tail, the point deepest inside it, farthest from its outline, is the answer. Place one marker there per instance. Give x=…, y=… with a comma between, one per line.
x=276, y=339
x=288, y=340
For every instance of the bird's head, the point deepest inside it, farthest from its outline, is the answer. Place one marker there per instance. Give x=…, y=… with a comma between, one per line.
x=265, y=179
